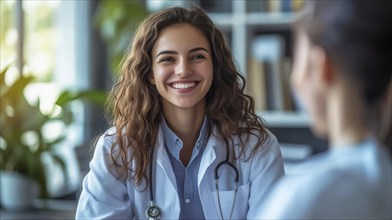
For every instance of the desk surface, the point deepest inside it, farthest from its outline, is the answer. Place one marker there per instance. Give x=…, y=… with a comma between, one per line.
x=37, y=214
x=48, y=210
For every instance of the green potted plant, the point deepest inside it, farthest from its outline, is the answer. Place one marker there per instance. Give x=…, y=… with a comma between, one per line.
x=21, y=159
x=116, y=22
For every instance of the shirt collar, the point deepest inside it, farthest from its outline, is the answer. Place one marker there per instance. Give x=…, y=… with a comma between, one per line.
x=174, y=144
x=344, y=147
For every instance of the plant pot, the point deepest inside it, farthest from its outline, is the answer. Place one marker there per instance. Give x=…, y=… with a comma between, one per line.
x=16, y=191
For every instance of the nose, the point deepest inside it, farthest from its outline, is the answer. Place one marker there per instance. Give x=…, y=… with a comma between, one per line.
x=183, y=68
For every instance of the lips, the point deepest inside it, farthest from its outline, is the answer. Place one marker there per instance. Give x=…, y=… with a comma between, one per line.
x=183, y=85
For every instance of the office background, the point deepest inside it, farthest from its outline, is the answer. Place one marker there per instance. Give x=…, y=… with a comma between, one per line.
x=76, y=45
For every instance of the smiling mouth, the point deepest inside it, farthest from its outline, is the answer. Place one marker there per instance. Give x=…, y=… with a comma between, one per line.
x=186, y=85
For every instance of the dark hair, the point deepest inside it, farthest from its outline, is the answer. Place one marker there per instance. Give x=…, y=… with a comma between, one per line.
x=137, y=105
x=357, y=36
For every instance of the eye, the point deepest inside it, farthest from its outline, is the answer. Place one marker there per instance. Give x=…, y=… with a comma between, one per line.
x=166, y=60
x=198, y=57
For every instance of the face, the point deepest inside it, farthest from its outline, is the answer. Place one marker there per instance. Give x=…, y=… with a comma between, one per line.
x=182, y=67
x=307, y=81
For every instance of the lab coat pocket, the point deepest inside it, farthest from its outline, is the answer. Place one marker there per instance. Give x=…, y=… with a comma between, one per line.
x=226, y=199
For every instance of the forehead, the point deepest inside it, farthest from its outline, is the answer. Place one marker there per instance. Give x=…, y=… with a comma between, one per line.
x=180, y=37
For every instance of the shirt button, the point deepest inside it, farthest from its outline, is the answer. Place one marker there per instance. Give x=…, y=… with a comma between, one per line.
x=187, y=201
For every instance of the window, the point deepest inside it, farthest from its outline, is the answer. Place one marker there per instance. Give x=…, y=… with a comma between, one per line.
x=55, y=52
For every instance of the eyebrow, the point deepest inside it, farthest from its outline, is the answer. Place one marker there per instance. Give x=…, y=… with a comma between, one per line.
x=174, y=52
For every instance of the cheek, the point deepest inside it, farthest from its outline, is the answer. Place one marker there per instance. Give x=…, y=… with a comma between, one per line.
x=159, y=74
x=210, y=76
x=299, y=75
x=314, y=98
x=299, y=70
x=206, y=71
x=158, y=80
x=307, y=88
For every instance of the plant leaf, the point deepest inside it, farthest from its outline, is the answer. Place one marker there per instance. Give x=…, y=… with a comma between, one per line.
x=95, y=96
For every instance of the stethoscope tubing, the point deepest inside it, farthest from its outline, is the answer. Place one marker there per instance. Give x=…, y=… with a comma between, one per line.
x=154, y=212
x=236, y=180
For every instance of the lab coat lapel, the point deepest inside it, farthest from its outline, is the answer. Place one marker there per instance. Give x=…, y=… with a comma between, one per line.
x=163, y=159
x=213, y=154
x=165, y=190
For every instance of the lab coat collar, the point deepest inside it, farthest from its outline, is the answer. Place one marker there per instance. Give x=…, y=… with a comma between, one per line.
x=213, y=152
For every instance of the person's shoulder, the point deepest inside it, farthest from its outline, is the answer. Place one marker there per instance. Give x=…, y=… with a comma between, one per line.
x=254, y=135
x=323, y=187
x=312, y=185
x=258, y=145
x=321, y=176
x=107, y=139
x=268, y=140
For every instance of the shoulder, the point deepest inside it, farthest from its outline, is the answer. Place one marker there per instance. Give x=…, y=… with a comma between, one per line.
x=298, y=196
x=257, y=142
x=261, y=159
x=103, y=145
x=106, y=148
x=107, y=139
x=315, y=192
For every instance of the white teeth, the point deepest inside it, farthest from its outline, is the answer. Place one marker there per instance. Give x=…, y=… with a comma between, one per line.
x=183, y=85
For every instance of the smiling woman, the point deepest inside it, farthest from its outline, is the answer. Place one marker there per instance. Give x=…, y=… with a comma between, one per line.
x=182, y=128
x=183, y=75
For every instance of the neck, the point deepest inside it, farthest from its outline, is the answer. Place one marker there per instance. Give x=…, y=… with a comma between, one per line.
x=347, y=124
x=186, y=124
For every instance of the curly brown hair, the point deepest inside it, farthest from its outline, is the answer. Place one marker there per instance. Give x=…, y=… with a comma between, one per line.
x=136, y=105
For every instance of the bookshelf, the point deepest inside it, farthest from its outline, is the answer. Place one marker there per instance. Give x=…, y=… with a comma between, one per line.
x=245, y=21
x=285, y=119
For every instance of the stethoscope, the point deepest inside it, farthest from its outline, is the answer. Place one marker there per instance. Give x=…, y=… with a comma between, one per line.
x=153, y=211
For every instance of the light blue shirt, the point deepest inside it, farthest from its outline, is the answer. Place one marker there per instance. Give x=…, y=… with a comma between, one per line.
x=350, y=182
x=186, y=177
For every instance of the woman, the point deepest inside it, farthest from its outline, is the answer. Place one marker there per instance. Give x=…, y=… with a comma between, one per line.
x=342, y=71
x=179, y=112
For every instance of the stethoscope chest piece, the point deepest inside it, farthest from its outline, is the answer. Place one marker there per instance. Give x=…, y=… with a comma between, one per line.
x=153, y=212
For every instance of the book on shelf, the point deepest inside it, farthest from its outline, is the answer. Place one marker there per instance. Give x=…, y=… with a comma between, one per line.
x=268, y=76
x=225, y=6
x=287, y=93
x=256, y=82
x=274, y=85
x=272, y=5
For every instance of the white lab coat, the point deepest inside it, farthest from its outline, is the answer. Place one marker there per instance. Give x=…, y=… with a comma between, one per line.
x=353, y=182
x=105, y=197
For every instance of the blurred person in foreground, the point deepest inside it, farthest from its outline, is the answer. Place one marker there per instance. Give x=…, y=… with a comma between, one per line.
x=342, y=74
